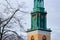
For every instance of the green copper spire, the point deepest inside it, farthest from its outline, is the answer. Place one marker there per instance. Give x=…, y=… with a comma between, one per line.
x=38, y=5
x=38, y=16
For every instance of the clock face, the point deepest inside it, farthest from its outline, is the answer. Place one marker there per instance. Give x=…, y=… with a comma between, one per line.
x=32, y=37
x=44, y=38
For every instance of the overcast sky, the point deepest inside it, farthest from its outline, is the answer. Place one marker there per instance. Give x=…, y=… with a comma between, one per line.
x=53, y=15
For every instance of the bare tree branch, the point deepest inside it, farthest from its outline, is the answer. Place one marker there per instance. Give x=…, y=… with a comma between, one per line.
x=9, y=19
x=11, y=34
x=10, y=31
x=8, y=22
x=9, y=4
x=3, y=21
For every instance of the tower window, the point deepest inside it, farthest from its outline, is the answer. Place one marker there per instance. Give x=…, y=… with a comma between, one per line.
x=44, y=38
x=32, y=37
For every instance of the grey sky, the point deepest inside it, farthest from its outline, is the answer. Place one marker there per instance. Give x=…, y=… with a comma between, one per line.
x=53, y=15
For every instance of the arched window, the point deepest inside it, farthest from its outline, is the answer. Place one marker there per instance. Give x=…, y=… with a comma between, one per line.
x=44, y=38
x=32, y=37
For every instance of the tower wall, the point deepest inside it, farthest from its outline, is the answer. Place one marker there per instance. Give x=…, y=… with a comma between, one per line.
x=38, y=35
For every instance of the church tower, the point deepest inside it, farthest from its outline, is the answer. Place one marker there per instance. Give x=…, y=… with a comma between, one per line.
x=38, y=29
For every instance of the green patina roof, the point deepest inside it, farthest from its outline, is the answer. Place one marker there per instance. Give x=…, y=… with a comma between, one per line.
x=48, y=30
x=38, y=17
